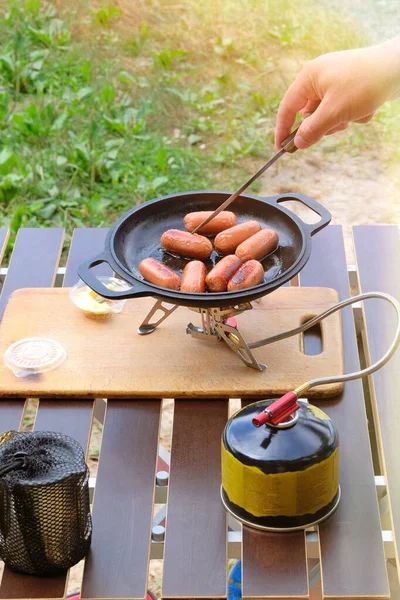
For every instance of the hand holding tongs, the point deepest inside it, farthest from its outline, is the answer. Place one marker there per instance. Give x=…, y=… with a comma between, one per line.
x=287, y=146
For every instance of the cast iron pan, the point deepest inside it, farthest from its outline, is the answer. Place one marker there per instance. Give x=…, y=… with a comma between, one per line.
x=136, y=235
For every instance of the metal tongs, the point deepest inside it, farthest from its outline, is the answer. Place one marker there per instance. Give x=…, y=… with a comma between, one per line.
x=287, y=146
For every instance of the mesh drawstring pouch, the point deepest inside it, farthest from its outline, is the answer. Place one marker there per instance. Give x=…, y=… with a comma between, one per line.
x=45, y=522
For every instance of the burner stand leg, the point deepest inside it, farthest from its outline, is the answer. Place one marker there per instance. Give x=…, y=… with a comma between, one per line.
x=235, y=341
x=147, y=327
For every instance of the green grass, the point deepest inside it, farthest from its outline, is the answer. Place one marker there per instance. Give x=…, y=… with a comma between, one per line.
x=76, y=146
x=105, y=105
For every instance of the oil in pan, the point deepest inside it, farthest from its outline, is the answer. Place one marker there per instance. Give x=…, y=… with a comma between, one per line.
x=280, y=477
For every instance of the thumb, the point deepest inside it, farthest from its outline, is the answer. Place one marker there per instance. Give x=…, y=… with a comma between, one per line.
x=314, y=127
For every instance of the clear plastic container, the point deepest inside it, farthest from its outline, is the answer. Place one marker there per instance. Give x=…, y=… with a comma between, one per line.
x=95, y=306
x=31, y=356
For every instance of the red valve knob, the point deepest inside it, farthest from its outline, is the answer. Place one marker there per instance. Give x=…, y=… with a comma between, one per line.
x=231, y=321
x=279, y=411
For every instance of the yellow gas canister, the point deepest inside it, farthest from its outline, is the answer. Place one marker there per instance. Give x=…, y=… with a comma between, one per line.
x=282, y=474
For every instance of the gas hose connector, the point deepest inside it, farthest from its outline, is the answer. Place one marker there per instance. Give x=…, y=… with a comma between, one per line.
x=278, y=412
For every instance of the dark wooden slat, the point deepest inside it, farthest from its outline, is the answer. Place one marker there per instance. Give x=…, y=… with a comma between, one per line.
x=123, y=504
x=71, y=418
x=352, y=556
x=195, y=545
x=10, y=414
x=34, y=261
x=274, y=565
x=378, y=252
x=86, y=243
x=4, y=233
x=312, y=341
x=15, y=586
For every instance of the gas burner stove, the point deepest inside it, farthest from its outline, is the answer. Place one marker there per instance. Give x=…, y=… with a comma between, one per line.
x=217, y=324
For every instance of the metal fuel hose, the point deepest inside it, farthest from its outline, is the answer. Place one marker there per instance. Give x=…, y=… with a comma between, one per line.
x=349, y=376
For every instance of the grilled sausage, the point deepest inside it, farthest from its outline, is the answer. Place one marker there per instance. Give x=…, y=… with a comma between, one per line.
x=224, y=220
x=186, y=244
x=258, y=245
x=249, y=275
x=156, y=272
x=218, y=277
x=227, y=241
x=194, y=277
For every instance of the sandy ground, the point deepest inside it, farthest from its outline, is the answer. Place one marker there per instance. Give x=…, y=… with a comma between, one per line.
x=357, y=190
x=380, y=19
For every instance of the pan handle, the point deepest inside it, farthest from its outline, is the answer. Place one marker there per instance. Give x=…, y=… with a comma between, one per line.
x=313, y=205
x=87, y=275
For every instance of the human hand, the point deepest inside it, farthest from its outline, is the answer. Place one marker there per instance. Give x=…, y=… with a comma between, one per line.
x=338, y=88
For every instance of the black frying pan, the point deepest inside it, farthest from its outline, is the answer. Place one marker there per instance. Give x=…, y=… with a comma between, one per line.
x=136, y=235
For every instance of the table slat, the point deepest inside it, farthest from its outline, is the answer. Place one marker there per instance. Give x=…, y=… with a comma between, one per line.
x=86, y=243
x=34, y=261
x=71, y=418
x=10, y=414
x=274, y=565
x=378, y=252
x=195, y=546
x=352, y=554
x=4, y=233
x=117, y=564
x=15, y=586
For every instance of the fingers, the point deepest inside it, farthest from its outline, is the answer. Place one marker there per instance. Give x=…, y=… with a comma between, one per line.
x=314, y=127
x=365, y=119
x=309, y=108
x=321, y=117
x=340, y=127
x=295, y=99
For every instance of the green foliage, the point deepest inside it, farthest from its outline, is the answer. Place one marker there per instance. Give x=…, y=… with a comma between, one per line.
x=105, y=15
x=168, y=57
x=99, y=112
x=76, y=146
x=133, y=45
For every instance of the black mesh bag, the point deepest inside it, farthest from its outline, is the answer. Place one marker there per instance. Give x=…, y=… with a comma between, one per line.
x=45, y=522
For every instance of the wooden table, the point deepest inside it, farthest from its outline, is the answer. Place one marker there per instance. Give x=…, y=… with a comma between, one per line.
x=346, y=557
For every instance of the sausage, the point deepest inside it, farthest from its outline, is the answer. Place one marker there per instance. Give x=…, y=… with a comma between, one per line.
x=194, y=277
x=227, y=241
x=258, y=245
x=251, y=273
x=224, y=220
x=218, y=277
x=186, y=244
x=156, y=272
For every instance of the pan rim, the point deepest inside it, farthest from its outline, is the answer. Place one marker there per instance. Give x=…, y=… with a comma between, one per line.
x=220, y=298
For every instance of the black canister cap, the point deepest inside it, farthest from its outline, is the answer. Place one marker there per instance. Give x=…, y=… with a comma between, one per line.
x=310, y=440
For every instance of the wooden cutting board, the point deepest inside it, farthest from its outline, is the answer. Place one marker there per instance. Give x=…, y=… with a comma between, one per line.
x=109, y=359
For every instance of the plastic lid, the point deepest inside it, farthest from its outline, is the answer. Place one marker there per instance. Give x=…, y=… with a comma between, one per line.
x=30, y=356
